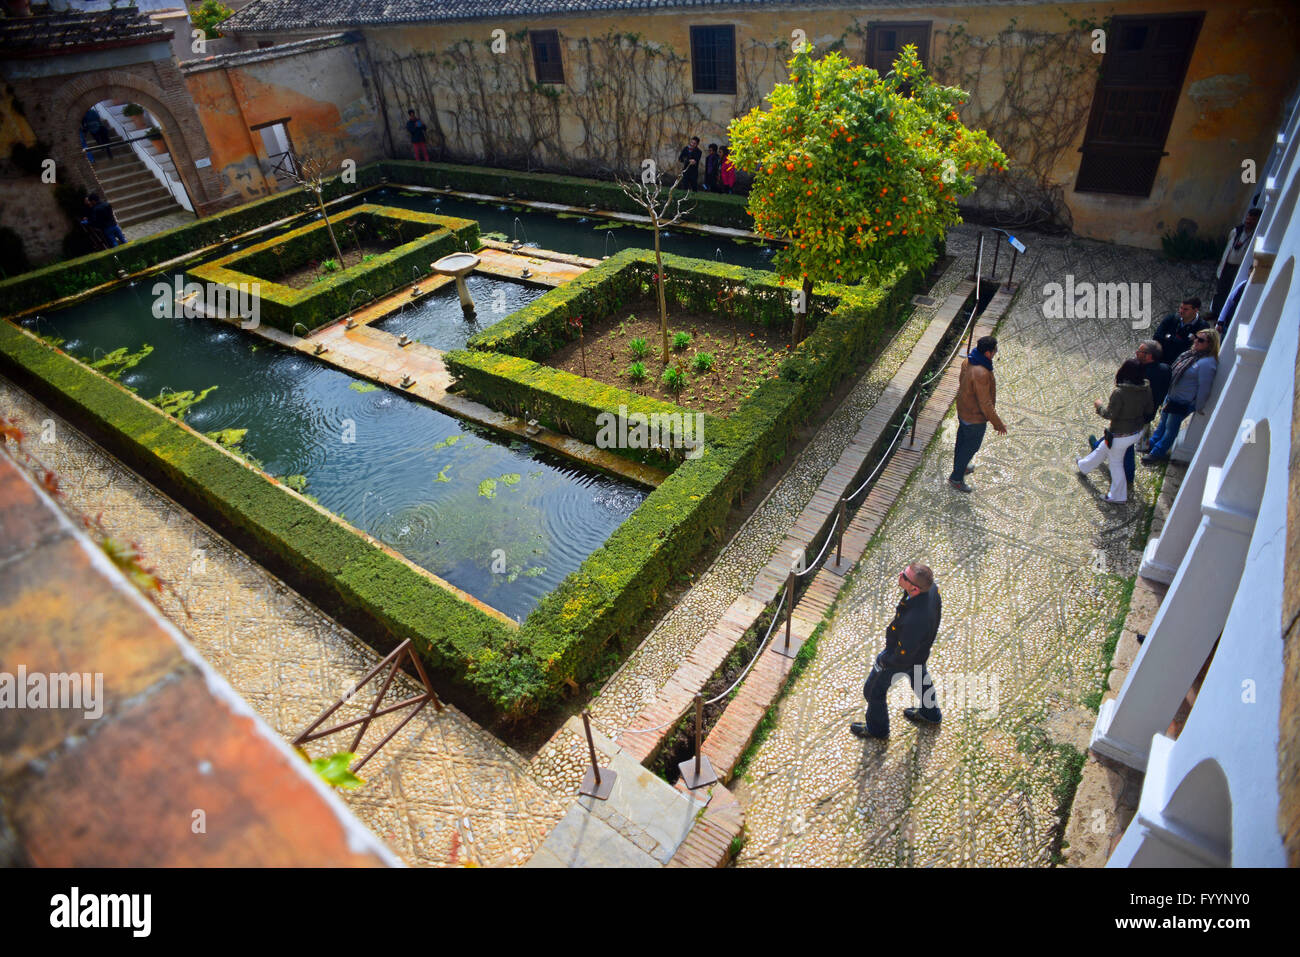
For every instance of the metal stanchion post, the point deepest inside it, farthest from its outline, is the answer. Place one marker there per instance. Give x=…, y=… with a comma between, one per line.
x=595, y=783
x=839, y=566
x=790, y=647
x=697, y=772
x=1015, y=254
x=993, y=273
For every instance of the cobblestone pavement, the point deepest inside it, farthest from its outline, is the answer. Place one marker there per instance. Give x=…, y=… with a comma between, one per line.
x=1021, y=565
x=442, y=792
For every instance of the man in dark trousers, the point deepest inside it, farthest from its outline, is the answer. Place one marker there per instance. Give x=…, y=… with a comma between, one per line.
x=99, y=215
x=977, y=396
x=907, y=648
x=1176, y=330
x=416, y=129
x=690, y=160
x=1157, y=373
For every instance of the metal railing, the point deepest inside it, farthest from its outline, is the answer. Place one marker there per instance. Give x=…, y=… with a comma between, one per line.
x=415, y=702
x=146, y=155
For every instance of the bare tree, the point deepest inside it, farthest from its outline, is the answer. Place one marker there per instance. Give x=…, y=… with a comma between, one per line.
x=663, y=211
x=310, y=173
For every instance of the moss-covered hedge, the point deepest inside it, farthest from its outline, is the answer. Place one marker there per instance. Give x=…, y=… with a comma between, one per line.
x=72, y=276
x=348, y=576
x=284, y=307
x=557, y=399
x=541, y=327
x=606, y=598
x=717, y=209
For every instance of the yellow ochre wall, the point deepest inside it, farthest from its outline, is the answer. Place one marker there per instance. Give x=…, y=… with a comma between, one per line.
x=1243, y=68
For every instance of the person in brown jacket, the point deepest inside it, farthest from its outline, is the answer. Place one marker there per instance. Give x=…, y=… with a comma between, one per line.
x=977, y=395
x=1129, y=409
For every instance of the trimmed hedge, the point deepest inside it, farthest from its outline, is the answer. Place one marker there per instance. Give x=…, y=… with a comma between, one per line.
x=319, y=303
x=347, y=575
x=44, y=285
x=542, y=326
x=559, y=400
x=717, y=209
x=605, y=598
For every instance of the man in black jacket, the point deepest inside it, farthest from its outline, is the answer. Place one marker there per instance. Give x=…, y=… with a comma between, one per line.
x=689, y=158
x=1176, y=330
x=907, y=648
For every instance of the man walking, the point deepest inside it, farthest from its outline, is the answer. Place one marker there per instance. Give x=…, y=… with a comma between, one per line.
x=977, y=393
x=417, y=129
x=908, y=640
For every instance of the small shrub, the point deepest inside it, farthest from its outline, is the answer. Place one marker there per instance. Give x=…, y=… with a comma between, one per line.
x=1184, y=246
x=133, y=109
x=702, y=362
x=674, y=379
x=636, y=372
x=638, y=348
x=681, y=341
x=330, y=265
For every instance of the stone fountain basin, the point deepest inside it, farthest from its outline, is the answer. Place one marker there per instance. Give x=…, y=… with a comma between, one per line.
x=457, y=264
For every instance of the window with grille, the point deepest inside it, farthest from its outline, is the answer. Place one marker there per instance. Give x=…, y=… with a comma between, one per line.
x=886, y=40
x=546, y=56
x=713, y=59
x=1133, y=107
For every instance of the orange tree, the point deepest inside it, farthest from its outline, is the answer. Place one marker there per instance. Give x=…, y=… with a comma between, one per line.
x=859, y=173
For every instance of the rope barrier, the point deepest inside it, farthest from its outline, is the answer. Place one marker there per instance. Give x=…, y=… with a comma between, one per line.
x=825, y=545
x=898, y=434
x=776, y=616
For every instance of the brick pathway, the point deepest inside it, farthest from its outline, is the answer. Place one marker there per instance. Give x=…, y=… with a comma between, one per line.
x=1024, y=604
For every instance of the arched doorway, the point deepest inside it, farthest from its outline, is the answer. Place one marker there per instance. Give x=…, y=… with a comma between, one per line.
x=183, y=136
x=134, y=172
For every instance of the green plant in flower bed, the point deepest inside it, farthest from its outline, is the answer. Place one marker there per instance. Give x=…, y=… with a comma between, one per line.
x=636, y=372
x=638, y=347
x=681, y=341
x=674, y=379
x=325, y=300
x=702, y=362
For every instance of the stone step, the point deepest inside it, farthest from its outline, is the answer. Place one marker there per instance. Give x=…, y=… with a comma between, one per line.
x=148, y=213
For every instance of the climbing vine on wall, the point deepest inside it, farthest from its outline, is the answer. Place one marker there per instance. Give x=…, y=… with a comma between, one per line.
x=630, y=98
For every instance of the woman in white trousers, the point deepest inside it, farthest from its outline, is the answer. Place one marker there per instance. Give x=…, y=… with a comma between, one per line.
x=1129, y=408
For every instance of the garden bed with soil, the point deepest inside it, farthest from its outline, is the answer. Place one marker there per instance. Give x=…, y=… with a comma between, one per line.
x=721, y=363
x=313, y=272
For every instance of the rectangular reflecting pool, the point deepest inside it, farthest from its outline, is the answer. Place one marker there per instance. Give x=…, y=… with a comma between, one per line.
x=438, y=320
x=497, y=518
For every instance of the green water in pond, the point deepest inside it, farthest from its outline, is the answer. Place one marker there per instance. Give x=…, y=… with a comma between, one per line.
x=394, y=467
